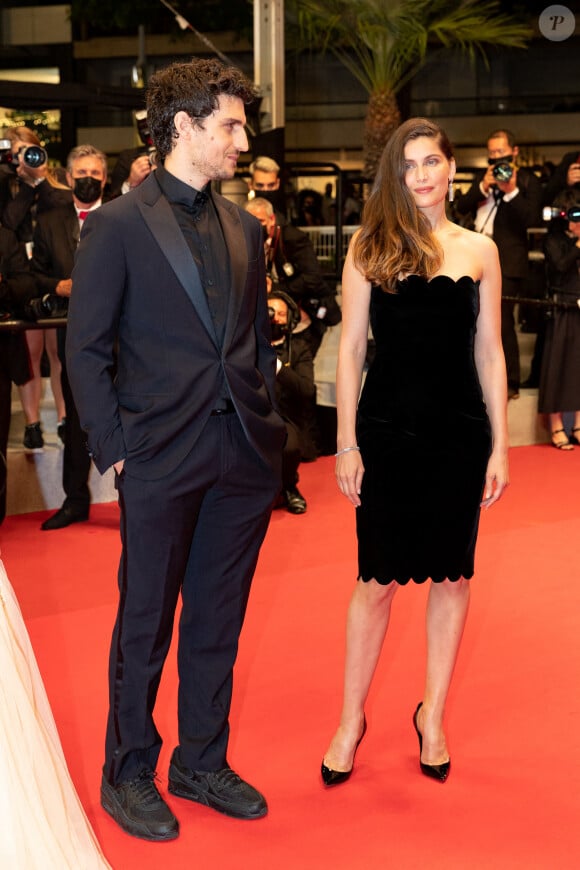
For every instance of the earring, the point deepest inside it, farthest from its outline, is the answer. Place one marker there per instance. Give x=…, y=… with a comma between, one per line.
x=451, y=191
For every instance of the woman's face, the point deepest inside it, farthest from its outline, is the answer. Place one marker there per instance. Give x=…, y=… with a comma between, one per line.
x=574, y=228
x=427, y=171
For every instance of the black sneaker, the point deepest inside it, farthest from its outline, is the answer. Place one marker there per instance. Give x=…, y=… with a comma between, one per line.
x=33, y=439
x=139, y=809
x=222, y=790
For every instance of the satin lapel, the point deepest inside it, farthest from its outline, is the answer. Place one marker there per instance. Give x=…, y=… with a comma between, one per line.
x=161, y=221
x=238, y=253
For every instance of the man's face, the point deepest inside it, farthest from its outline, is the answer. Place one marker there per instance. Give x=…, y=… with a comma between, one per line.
x=280, y=310
x=216, y=141
x=499, y=146
x=87, y=167
x=264, y=180
x=268, y=221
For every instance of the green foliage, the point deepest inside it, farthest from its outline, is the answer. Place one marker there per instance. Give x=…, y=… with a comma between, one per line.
x=383, y=43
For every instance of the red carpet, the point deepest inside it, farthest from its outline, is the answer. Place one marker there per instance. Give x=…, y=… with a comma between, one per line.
x=513, y=797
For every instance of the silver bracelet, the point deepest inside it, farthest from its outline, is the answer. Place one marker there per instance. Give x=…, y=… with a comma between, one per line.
x=347, y=450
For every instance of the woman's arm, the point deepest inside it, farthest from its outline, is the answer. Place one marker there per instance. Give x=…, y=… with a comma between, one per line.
x=351, y=357
x=490, y=363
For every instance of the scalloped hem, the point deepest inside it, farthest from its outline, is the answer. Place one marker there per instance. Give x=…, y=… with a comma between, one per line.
x=402, y=581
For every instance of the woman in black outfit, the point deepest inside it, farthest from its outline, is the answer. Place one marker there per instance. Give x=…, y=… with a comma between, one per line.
x=427, y=445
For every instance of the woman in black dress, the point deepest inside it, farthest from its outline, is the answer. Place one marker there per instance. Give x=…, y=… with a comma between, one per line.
x=427, y=445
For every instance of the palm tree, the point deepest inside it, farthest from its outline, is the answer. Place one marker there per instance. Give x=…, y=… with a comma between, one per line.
x=384, y=43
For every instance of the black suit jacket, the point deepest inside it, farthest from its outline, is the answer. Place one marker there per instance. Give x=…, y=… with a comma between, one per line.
x=16, y=211
x=294, y=246
x=295, y=387
x=511, y=221
x=136, y=288
x=56, y=237
x=16, y=288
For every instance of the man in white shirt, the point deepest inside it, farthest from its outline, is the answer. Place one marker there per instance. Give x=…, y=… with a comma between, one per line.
x=504, y=201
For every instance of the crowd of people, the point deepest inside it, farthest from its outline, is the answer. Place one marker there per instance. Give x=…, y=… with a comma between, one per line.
x=44, y=207
x=202, y=400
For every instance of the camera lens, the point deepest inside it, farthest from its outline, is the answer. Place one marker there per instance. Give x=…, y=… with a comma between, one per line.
x=34, y=156
x=502, y=171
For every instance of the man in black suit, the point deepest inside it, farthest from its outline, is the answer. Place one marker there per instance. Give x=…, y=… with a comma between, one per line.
x=56, y=237
x=504, y=201
x=169, y=284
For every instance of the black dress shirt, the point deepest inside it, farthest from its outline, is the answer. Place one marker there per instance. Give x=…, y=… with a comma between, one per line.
x=199, y=222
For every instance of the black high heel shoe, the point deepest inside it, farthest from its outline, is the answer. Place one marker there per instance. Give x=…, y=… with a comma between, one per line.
x=335, y=777
x=440, y=772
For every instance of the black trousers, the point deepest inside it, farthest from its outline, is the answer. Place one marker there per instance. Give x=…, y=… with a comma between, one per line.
x=197, y=531
x=291, y=456
x=76, y=463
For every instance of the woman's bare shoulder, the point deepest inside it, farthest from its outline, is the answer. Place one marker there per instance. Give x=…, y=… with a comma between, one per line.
x=471, y=237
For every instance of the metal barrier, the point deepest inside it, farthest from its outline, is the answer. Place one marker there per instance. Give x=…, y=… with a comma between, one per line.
x=15, y=325
x=324, y=243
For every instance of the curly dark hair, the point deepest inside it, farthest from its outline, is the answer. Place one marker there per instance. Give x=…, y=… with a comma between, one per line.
x=193, y=87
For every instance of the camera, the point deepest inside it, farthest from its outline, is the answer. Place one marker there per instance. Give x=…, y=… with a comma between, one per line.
x=145, y=135
x=32, y=156
x=49, y=305
x=502, y=170
x=572, y=214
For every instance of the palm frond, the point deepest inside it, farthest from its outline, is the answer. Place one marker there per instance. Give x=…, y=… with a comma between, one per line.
x=383, y=43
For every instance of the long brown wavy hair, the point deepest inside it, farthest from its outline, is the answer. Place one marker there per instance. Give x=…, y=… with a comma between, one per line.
x=395, y=238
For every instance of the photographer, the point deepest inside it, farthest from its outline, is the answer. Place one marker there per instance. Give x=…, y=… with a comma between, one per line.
x=29, y=188
x=16, y=287
x=560, y=376
x=503, y=202
x=134, y=164
x=291, y=262
x=566, y=174
x=295, y=391
x=55, y=241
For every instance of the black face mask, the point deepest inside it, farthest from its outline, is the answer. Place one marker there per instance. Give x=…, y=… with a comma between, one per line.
x=275, y=197
x=87, y=189
x=279, y=330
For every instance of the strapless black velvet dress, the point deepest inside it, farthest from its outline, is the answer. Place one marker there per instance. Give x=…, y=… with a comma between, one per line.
x=424, y=434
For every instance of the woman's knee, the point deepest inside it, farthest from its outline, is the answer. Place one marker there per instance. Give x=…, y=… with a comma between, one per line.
x=376, y=594
x=452, y=589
